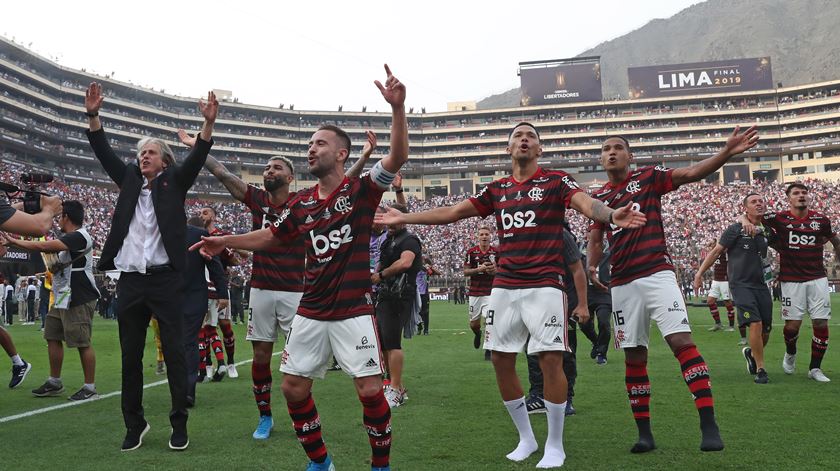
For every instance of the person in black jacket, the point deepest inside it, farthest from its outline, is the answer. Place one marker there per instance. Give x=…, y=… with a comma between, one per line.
x=146, y=244
x=195, y=299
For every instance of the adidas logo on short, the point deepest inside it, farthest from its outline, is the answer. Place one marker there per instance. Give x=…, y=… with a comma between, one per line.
x=371, y=363
x=684, y=321
x=558, y=339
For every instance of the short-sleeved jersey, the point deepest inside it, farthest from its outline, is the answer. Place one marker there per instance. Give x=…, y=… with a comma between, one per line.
x=337, y=232
x=278, y=268
x=637, y=253
x=529, y=216
x=481, y=283
x=800, y=244
x=747, y=255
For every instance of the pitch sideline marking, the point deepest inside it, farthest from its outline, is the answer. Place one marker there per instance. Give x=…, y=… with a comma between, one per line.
x=102, y=396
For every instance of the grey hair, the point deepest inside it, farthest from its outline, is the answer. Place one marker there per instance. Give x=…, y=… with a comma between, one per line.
x=284, y=160
x=166, y=151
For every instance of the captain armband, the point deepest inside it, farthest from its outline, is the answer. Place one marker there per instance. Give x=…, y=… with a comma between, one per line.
x=382, y=177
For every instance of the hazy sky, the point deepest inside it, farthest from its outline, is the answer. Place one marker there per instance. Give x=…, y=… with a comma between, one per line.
x=318, y=55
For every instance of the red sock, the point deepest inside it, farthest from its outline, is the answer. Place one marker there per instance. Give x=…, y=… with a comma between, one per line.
x=730, y=313
x=791, y=336
x=227, y=333
x=696, y=376
x=377, y=419
x=819, y=344
x=202, y=352
x=307, y=425
x=713, y=307
x=215, y=343
x=638, y=390
x=261, y=375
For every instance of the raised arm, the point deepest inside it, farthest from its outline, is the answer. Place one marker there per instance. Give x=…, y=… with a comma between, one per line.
x=189, y=170
x=735, y=144
x=713, y=255
x=398, y=189
x=359, y=166
x=33, y=224
x=234, y=184
x=113, y=165
x=394, y=93
x=443, y=215
x=597, y=211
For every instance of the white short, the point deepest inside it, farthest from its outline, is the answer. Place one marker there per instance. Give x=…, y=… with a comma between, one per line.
x=479, y=306
x=514, y=314
x=806, y=296
x=655, y=297
x=268, y=311
x=213, y=314
x=720, y=291
x=311, y=345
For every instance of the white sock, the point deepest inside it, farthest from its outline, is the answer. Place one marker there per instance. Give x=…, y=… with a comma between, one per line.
x=17, y=360
x=91, y=387
x=554, y=455
x=54, y=380
x=527, y=442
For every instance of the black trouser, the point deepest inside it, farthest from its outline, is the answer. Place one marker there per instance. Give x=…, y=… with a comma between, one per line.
x=392, y=315
x=195, y=308
x=236, y=310
x=599, y=313
x=535, y=376
x=424, y=312
x=140, y=296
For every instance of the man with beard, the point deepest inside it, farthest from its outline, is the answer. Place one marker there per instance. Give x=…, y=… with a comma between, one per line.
x=277, y=272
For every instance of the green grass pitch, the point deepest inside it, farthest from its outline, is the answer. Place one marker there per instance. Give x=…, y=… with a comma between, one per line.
x=454, y=419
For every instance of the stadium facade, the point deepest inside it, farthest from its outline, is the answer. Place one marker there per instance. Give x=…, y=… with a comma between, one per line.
x=42, y=123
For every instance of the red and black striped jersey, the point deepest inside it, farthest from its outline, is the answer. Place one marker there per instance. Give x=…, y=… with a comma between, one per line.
x=279, y=268
x=336, y=231
x=529, y=216
x=800, y=244
x=719, y=273
x=482, y=283
x=637, y=253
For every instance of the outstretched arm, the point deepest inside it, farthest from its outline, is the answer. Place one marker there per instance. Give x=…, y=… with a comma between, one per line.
x=255, y=240
x=370, y=145
x=47, y=246
x=735, y=144
x=444, y=215
x=234, y=184
x=597, y=211
x=394, y=93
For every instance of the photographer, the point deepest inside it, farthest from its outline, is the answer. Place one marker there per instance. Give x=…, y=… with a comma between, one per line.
x=18, y=222
x=399, y=262
x=71, y=318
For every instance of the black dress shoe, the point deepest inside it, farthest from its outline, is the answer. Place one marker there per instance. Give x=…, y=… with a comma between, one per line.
x=134, y=437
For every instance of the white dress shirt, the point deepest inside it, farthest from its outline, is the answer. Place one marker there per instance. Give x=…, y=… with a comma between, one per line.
x=142, y=246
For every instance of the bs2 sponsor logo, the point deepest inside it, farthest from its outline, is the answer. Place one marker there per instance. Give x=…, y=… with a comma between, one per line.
x=331, y=240
x=518, y=219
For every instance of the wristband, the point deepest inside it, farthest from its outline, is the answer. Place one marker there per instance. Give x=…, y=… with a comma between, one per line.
x=91, y=115
x=611, y=217
x=381, y=277
x=399, y=190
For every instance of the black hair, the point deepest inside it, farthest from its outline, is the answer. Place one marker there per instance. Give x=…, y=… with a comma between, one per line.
x=795, y=185
x=74, y=211
x=623, y=139
x=343, y=136
x=524, y=123
x=748, y=197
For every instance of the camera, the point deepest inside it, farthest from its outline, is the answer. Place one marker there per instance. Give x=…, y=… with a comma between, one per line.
x=30, y=194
